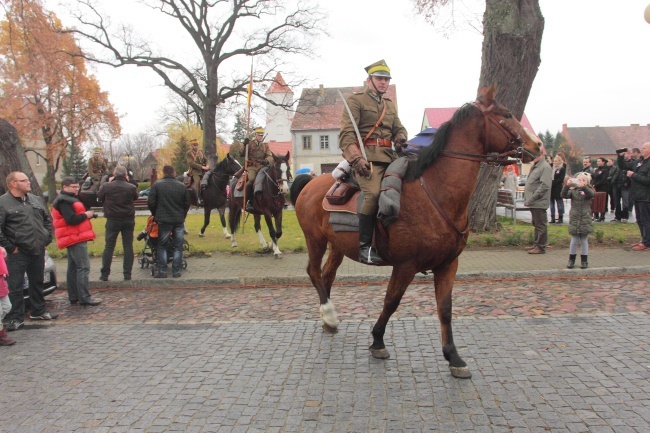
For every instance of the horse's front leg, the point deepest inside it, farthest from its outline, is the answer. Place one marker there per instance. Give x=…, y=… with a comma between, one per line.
x=399, y=280
x=276, y=235
x=206, y=219
x=258, y=230
x=444, y=282
x=222, y=217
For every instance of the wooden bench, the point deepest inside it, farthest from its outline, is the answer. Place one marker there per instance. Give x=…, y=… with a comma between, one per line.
x=506, y=199
x=140, y=204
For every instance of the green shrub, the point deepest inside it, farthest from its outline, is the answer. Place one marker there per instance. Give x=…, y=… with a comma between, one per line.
x=600, y=235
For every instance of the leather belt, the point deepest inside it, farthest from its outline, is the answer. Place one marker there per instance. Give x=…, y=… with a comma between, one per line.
x=380, y=142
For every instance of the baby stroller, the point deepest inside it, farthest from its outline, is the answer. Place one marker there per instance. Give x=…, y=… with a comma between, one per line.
x=149, y=250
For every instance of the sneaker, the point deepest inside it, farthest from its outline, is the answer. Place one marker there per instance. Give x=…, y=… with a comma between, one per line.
x=537, y=250
x=103, y=277
x=615, y=220
x=640, y=247
x=92, y=302
x=624, y=221
x=14, y=324
x=45, y=316
x=160, y=276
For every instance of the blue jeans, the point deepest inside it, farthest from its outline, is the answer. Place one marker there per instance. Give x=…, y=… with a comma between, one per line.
x=114, y=228
x=18, y=264
x=175, y=231
x=78, y=272
x=560, y=207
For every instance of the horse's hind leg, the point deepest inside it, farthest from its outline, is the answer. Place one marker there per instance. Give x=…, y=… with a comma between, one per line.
x=222, y=217
x=444, y=283
x=399, y=281
x=206, y=220
x=322, y=281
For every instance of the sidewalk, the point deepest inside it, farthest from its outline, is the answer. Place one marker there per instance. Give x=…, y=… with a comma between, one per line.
x=265, y=269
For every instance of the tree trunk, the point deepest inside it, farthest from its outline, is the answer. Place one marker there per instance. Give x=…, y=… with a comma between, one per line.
x=210, y=133
x=12, y=156
x=512, y=43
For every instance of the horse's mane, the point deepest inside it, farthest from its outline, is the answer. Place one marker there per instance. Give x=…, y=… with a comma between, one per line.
x=429, y=154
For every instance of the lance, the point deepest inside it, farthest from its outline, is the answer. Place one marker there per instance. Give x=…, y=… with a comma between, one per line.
x=248, y=125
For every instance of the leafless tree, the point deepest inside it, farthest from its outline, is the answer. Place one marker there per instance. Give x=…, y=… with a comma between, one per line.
x=223, y=33
x=132, y=149
x=512, y=41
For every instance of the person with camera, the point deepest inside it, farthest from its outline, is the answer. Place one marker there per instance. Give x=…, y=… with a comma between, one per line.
x=640, y=193
x=118, y=196
x=577, y=189
x=73, y=230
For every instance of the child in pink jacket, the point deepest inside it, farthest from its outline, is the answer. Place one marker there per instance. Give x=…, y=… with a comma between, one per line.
x=5, y=303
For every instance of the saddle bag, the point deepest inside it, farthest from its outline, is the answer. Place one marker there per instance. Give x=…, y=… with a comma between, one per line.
x=340, y=193
x=241, y=181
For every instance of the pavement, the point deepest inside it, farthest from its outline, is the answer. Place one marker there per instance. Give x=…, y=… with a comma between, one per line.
x=235, y=345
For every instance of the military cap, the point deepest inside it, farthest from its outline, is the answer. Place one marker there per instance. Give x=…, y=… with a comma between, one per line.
x=97, y=150
x=194, y=141
x=378, y=69
x=259, y=130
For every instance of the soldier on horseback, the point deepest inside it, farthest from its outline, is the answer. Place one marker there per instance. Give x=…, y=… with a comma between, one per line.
x=97, y=168
x=198, y=165
x=259, y=156
x=379, y=126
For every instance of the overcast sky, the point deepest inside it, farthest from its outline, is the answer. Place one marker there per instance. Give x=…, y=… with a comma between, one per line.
x=594, y=68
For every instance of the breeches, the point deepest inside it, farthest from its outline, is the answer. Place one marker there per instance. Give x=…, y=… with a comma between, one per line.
x=371, y=188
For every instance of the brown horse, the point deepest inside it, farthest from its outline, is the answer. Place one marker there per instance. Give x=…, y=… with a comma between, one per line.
x=270, y=203
x=432, y=227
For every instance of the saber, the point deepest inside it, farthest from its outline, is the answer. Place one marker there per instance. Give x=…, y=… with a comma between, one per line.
x=356, y=129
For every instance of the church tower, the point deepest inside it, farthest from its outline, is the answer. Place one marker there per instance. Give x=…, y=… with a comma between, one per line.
x=278, y=119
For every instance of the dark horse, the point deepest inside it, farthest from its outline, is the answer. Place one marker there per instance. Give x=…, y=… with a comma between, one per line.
x=214, y=195
x=432, y=227
x=269, y=203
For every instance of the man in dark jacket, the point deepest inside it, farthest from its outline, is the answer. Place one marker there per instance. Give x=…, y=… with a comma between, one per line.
x=25, y=231
x=169, y=201
x=640, y=192
x=73, y=230
x=624, y=162
x=118, y=196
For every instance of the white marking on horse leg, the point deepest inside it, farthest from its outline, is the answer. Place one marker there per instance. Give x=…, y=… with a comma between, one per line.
x=233, y=242
x=260, y=235
x=226, y=234
x=276, y=249
x=328, y=314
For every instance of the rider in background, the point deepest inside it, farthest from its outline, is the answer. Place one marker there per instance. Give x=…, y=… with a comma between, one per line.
x=259, y=155
x=97, y=168
x=198, y=164
x=379, y=126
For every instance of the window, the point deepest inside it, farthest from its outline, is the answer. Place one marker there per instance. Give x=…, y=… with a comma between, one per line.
x=324, y=142
x=306, y=142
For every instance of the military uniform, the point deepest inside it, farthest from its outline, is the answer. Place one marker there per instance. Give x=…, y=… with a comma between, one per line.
x=195, y=162
x=97, y=168
x=259, y=155
x=366, y=108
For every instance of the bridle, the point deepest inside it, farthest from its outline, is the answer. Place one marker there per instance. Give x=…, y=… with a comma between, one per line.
x=513, y=149
x=278, y=181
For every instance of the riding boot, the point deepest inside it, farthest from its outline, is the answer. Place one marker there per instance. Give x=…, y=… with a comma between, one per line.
x=583, y=262
x=249, y=203
x=572, y=261
x=367, y=253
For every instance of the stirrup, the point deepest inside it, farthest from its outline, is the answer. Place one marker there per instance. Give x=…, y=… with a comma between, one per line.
x=368, y=256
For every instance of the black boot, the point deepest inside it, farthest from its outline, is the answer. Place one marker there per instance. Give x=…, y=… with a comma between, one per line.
x=552, y=221
x=367, y=254
x=249, y=203
x=559, y=220
x=583, y=262
x=572, y=261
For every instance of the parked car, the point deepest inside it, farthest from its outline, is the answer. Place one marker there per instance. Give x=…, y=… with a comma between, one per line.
x=49, y=278
x=144, y=193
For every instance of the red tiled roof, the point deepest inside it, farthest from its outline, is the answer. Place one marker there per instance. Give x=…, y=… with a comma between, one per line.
x=438, y=116
x=604, y=140
x=321, y=108
x=279, y=85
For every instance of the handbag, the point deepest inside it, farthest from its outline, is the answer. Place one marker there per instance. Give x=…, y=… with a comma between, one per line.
x=340, y=193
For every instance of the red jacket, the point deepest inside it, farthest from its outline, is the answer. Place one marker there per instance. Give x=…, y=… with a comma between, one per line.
x=67, y=235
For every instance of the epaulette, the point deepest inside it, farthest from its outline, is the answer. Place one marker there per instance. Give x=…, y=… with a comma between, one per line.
x=358, y=93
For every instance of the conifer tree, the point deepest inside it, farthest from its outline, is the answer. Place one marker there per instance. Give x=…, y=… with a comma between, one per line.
x=178, y=161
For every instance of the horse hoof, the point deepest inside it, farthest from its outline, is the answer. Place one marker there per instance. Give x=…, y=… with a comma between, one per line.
x=460, y=372
x=228, y=236
x=380, y=353
x=201, y=235
x=278, y=256
x=329, y=329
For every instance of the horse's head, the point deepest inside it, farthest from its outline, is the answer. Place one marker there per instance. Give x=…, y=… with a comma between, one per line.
x=228, y=165
x=282, y=168
x=503, y=132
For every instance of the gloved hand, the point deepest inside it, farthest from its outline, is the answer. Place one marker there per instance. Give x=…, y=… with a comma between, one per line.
x=400, y=141
x=362, y=167
x=246, y=141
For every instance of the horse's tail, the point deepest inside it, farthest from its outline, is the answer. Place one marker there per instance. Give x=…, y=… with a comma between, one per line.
x=299, y=183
